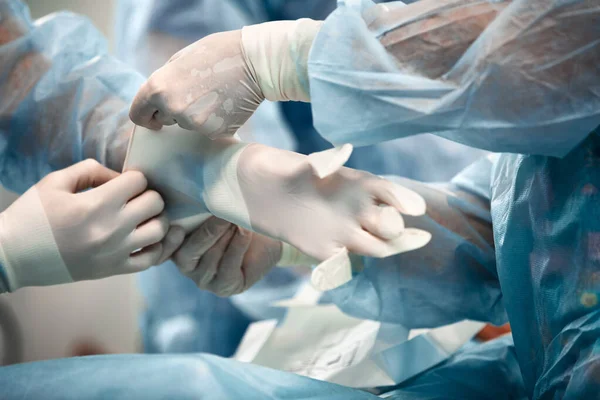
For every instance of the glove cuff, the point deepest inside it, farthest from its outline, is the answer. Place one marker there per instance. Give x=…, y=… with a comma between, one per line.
x=223, y=195
x=28, y=251
x=277, y=55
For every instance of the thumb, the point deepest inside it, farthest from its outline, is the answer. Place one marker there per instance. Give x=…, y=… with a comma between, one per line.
x=84, y=175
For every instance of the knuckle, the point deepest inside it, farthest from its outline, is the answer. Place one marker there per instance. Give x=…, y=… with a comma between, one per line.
x=157, y=200
x=138, y=178
x=158, y=231
x=92, y=205
x=173, y=105
x=384, y=184
x=90, y=163
x=160, y=95
x=154, y=86
x=100, y=237
x=51, y=179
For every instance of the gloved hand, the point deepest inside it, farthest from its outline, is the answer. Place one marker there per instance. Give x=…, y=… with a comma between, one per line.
x=225, y=259
x=55, y=233
x=214, y=85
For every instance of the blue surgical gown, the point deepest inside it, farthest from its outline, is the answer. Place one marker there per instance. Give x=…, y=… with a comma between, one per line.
x=63, y=97
x=532, y=260
x=515, y=76
x=202, y=376
x=547, y=235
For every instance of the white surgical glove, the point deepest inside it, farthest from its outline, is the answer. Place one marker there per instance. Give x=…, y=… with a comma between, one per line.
x=55, y=233
x=214, y=85
x=310, y=202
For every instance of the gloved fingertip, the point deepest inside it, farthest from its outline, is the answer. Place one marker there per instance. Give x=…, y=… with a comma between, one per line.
x=411, y=202
x=391, y=223
x=410, y=240
x=417, y=207
x=327, y=162
x=154, y=125
x=176, y=234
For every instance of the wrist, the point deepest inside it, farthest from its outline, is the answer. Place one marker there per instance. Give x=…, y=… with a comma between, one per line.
x=277, y=55
x=222, y=195
x=28, y=251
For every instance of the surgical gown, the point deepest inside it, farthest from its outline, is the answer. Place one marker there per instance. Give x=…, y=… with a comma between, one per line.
x=63, y=97
x=148, y=32
x=516, y=76
x=201, y=376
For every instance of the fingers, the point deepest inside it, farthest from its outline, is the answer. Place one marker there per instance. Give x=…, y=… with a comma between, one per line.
x=142, y=109
x=144, y=258
x=202, y=239
x=383, y=222
x=411, y=239
x=230, y=279
x=149, y=233
x=83, y=175
x=171, y=242
x=403, y=199
x=365, y=244
x=147, y=205
x=206, y=269
x=125, y=187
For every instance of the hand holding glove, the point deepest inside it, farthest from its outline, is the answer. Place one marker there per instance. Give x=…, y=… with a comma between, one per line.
x=214, y=85
x=57, y=233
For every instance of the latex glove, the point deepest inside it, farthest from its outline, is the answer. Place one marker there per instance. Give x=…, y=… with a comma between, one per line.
x=55, y=233
x=224, y=259
x=214, y=85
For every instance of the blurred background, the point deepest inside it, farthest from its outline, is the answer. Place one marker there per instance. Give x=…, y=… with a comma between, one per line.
x=75, y=319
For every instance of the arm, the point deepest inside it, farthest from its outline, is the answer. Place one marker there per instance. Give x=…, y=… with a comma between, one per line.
x=452, y=278
x=510, y=76
x=63, y=98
